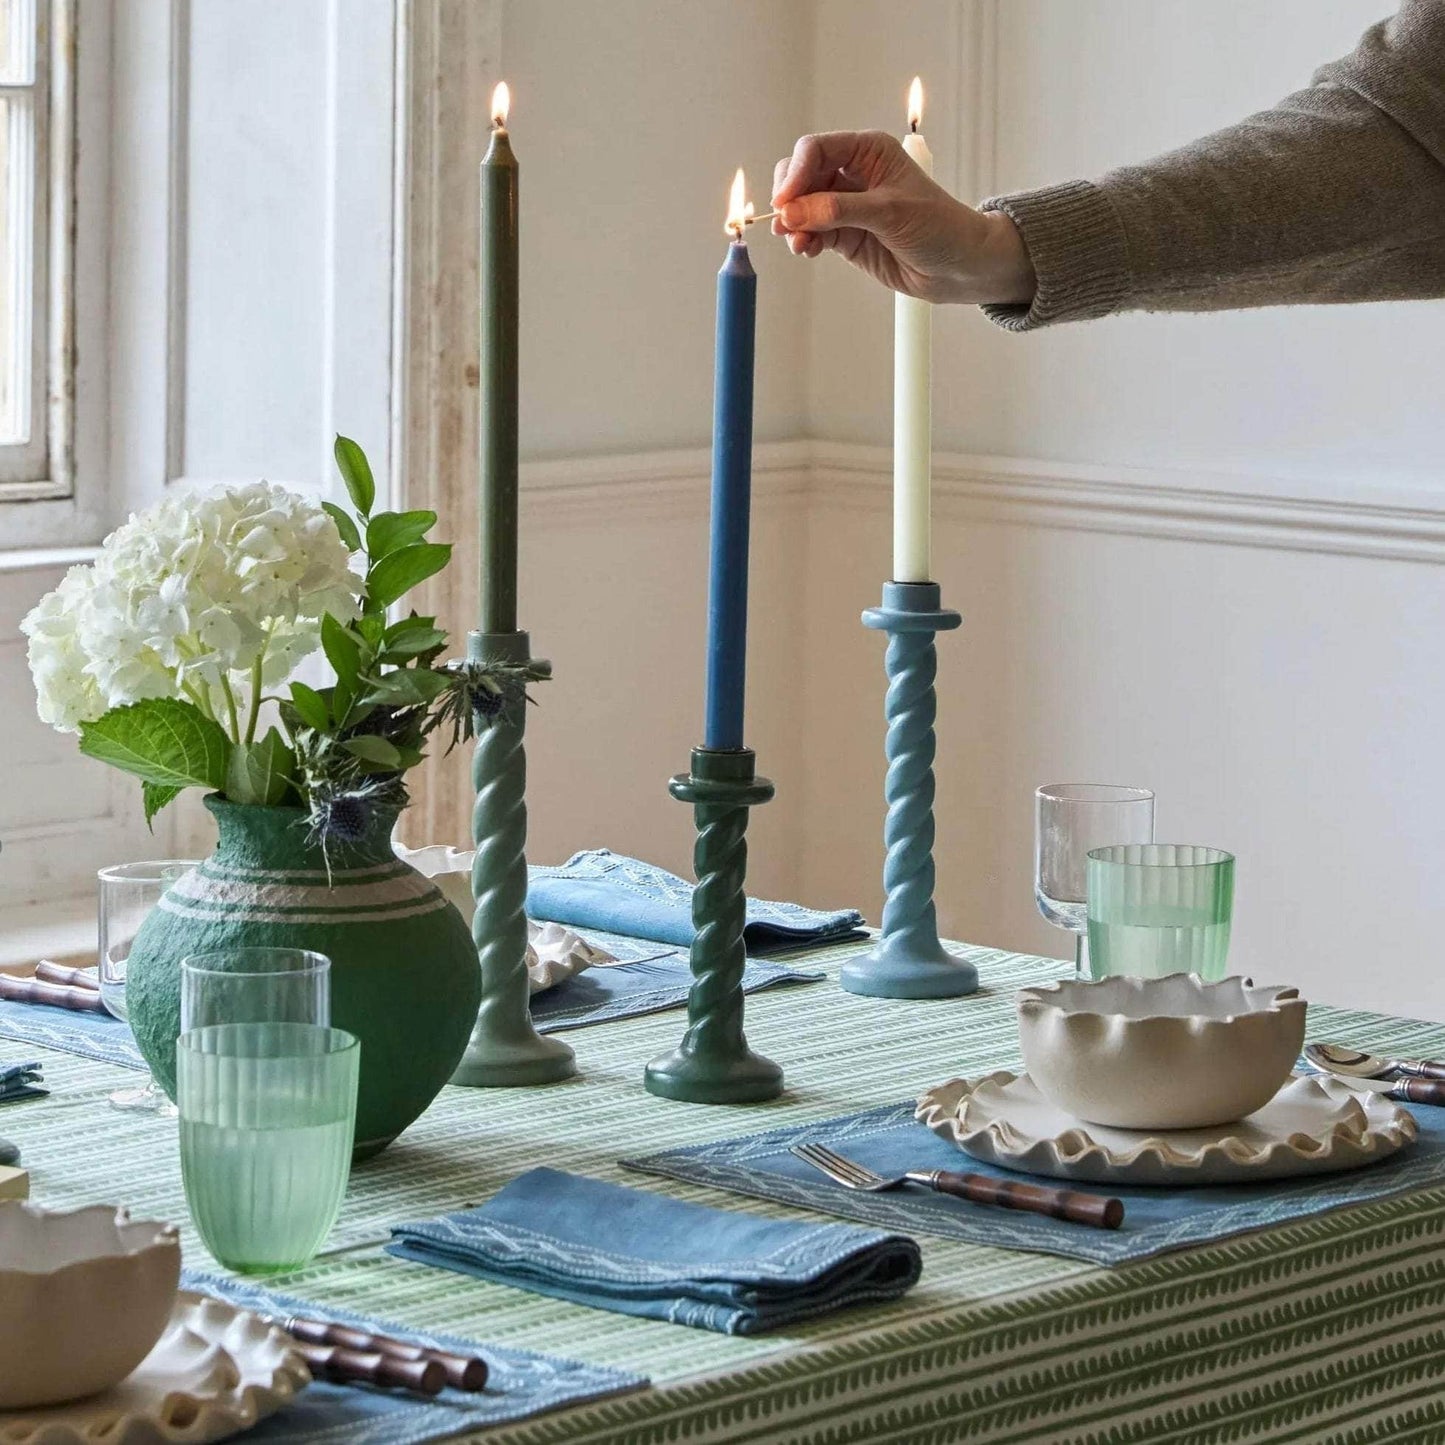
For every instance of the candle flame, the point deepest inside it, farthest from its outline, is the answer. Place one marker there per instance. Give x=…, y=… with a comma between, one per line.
x=501, y=103
x=740, y=209
x=915, y=103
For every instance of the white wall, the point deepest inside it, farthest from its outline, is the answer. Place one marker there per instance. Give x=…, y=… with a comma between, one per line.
x=629, y=120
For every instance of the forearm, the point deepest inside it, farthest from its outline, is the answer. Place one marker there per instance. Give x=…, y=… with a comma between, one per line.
x=1337, y=194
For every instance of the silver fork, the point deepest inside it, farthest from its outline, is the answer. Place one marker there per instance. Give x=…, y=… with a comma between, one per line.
x=1070, y=1204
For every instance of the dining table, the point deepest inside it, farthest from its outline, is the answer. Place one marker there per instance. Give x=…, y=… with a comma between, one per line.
x=1327, y=1328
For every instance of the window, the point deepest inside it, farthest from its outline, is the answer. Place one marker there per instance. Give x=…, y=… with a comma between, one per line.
x=37, y=52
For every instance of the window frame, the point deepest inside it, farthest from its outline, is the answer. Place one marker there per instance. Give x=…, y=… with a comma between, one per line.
x=42, y=469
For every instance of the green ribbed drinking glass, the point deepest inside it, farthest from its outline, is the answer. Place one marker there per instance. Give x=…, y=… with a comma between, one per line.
x=267, y=1113
x=1157, y=908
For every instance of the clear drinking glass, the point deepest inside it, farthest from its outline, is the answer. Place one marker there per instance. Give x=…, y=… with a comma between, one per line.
x=267, y=1095
x=128, y=892
x=255, y=986
x=1069, y=820
x=1159, y=908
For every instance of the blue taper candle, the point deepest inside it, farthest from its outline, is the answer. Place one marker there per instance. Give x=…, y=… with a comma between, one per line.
x=732, y=478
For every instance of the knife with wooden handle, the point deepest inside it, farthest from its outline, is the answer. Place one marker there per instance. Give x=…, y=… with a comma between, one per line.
x=48, y=972
x=346, y=1367
x=58, y=995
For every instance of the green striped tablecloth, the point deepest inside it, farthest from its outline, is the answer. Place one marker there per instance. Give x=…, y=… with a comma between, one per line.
x=1331, y=1329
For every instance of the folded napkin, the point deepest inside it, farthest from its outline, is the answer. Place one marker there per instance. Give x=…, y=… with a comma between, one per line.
x=20, y=1081
x=617, y=894
x=685, y=1263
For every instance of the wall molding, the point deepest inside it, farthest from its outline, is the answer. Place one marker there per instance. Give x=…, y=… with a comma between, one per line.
x=1199, y=507
x=589, y=490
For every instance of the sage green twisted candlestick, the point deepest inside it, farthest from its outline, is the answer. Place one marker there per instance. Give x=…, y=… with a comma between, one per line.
x=505, y=1049
x=908, y=961
x=713, y=1064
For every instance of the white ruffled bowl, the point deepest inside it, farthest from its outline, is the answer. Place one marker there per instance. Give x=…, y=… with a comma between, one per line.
x=1160, y=1053
x=84, y=1296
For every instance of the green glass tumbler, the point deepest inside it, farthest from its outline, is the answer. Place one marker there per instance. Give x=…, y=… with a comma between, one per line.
x=1157, y=908
x=266, y=1117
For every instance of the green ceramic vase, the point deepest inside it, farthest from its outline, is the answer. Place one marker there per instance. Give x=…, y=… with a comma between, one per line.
x=404, y=974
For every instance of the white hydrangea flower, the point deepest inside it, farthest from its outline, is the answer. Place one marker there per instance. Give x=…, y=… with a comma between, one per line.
x=186, y=598
x=66, y=694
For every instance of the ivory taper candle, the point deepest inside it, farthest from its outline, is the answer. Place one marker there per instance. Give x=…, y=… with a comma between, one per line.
x=912, y=399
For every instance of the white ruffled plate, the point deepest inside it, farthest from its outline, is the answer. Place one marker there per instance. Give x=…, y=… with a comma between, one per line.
x=215, y=1372
x=1312, y=1126
x=554, y=953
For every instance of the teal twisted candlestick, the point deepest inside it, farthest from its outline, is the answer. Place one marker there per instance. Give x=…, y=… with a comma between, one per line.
x=908, y=961
x=504, y=1049
x=713, y=1064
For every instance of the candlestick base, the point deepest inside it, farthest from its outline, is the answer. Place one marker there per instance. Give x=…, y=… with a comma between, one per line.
x=505, y=1051
x=713, y=1064
x=908, y=961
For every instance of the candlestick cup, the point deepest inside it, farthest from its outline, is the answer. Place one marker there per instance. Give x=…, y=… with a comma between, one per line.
x=908, y=961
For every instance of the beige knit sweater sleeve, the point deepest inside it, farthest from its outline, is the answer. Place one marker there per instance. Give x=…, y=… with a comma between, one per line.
x=1337, y=194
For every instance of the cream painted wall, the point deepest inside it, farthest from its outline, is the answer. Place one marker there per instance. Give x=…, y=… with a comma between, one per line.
x=1281, y=703
x=1327, y=396
x=630, y=118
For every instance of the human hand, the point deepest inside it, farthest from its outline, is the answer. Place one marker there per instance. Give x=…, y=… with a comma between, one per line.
x=860, y=194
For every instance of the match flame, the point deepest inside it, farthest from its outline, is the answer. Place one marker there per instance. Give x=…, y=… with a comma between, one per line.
x=915, y=103
x=501, y=103
x=740, y=210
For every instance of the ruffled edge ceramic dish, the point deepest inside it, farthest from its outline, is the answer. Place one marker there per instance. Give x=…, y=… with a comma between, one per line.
x=554, y=953
x=1160, y=1053
x=1312, y=1126
x=215, y=1372
x=84, y=1295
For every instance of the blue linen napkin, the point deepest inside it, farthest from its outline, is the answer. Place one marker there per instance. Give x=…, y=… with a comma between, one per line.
x=685, y=1263
x=20, y=1081
x=597, y=889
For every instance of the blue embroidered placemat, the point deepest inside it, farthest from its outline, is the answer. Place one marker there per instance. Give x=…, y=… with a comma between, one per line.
x=519, y=1383
x=644, y=985
x=890, y=1141
x=647, y=983
x=598, y=889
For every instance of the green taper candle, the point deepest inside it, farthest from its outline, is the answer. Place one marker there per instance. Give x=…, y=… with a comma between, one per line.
x=497, y=400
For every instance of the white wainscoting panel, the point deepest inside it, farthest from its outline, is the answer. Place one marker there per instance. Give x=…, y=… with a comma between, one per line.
x=1274, y=683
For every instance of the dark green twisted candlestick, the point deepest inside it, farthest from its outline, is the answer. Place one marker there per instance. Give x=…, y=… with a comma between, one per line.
x=505, y=1049
x=713, y=1064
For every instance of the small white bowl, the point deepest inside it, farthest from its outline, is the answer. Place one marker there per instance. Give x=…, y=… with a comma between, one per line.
x=84, y=1296
x=1160, y=1053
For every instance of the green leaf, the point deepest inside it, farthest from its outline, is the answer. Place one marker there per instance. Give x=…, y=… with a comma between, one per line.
x=398, y=572
x=412, y=622
x=342, y=697
x=371, y=629
x=343, y=652
x=356, y=473
x=344, y=524
x=407, y=687
x=154, y=797
x=260, y=772
x=161, y=740
x=414, y=643
x=310, y=706
x=372, y=749
x=390, y=531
